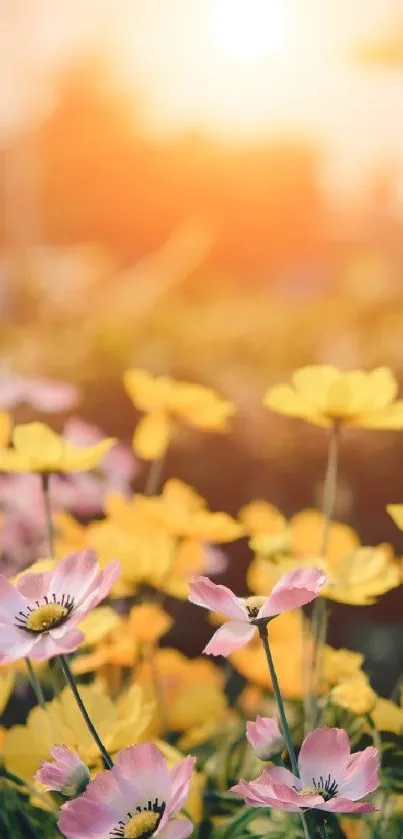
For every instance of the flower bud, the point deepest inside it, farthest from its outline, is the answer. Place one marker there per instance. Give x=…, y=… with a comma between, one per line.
x=265, y=737
x=66, y=774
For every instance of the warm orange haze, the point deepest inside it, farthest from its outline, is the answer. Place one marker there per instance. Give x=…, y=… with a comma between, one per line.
x=201, y=376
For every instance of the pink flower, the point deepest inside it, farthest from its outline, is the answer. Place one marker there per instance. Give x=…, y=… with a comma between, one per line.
x=42, y=394
x=67, y=774
x=40, y=613
x=138, y=797
x=331, y=778
x=293, y=590
x=265, y=737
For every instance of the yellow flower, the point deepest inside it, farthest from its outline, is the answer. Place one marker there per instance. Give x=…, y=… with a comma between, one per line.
x=267, y=528
x=119, y=724
x=287, y=649
x=148, y=623
x=5, y=428
x=355, y=694
x=306, y=536
x=396, y=512
x=165, y=401
x=387, y=716
x=325, y=395
x=359, y=578
x=37, y=448
x=190, y=690
x=99, y=623
x=339, y=665
x=7, y=679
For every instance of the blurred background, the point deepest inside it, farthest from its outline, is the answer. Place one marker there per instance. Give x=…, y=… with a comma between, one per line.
x=212, y=189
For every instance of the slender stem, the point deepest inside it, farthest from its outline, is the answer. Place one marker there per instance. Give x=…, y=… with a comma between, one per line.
x=262, y=627
x=91, y=727
x=35, y=684
x=320, y=615
x=322, y=831
x=45, y=478
x=154, y=476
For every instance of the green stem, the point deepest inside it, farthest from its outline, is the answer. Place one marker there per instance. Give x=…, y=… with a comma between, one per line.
x=154, y=476
x=35, y=684
x=322, y=831
x=45, y=478
x=91, y=727
x=262, y=627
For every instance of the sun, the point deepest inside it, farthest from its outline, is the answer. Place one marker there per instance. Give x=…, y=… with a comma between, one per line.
x=248, y=30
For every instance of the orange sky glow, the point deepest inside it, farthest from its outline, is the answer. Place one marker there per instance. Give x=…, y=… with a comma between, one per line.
x=237, y=69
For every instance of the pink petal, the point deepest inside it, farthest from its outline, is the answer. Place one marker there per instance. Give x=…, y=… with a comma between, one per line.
x=258, y=795
x=287, y=795
x=175, y=829
x=361, y=777
x=112, y=788
x=180, y=780
x=50, y=397
x=295, y=589
x=325, y=751
x=343, y=805
x=279, y=775
x=86, y=819
x=47, y=646
x=14, y=643
x=146, y=764
x=100, y=587
x=229, y=637
x=34, y=586
x=11, y=602
x=205, y=593
x=74, y=575
x=265, y=736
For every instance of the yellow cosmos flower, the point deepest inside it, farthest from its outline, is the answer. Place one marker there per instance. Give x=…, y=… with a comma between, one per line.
x=5, y=428
x=325, y=395
x=165, y=401
x=355, y=694
x=267, y=527
x=387, y=716
x=7, y=679
x=286, y=644
x=119, y=723
x=340, y=665
x=190, y=690
x=37, y=448
x=148, y=623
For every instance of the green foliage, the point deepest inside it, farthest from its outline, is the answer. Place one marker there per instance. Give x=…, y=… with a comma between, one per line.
x=19, y=819
x=392, y=762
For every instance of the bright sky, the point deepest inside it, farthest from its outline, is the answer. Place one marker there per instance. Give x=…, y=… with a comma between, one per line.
x=201, y=66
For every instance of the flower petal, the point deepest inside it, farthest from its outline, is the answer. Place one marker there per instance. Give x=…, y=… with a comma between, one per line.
x=14, y=643
x=151, y=436
x=180, y=780
x=147, y=765
x=361, y=777
x=11, y=602
x=100, y=588
x=295, y=589
x=176, y=829
x=74, y=575
x=343, y=805
x=34, y=586
x=324, y=751
x=218, y=598
x=86, y=819
x=47, y=645
x=231, y=636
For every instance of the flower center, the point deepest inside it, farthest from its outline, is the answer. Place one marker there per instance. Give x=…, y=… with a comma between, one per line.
x=45, y=616
x=141, y=826
x=253, y=604
x=327, y=788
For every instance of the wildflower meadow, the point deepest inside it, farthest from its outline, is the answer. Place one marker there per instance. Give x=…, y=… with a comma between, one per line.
x=268, y=731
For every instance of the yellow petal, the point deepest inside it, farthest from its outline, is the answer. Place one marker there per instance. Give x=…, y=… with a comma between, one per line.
x=387, y=716
x=5, y=428
x=11, y=461
x=39, y=445
x=98, y=623
x=147, y=392
x=151, y=437
x=201, y=407
x=396, y=511
x=261, y=517
x=389, y=418
x=312, y=384
x=284, y=400
x=149, y=622
x=6, y=686
x=83, y=458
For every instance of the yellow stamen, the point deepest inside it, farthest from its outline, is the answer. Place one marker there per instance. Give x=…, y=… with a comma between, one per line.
x=141, y=825
x=308, y=791
x=253, y=604
x=44, y=617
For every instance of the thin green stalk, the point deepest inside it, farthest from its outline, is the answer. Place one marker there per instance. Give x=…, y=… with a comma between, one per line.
x=45, y=479
x=90, y=725
x=322, y=831
x=262, y=627
x=35, y=684
x=320, y=615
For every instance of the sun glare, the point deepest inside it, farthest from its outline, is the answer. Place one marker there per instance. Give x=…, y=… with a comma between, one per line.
x=248, y=30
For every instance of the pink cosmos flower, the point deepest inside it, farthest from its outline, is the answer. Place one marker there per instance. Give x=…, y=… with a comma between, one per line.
x=40, y=613
x=331, y=778
x=42, y=394
x=265, y=737
x=294, y=589
x=67, y=774
x=138, y=797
